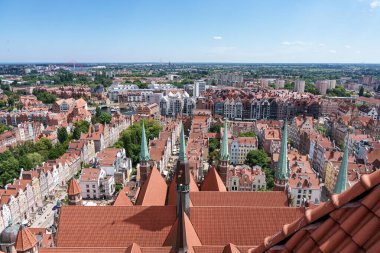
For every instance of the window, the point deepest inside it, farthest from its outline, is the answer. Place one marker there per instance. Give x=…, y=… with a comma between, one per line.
x=94, y=191
x=93, y=186
x=87, y=186
x=88, y=190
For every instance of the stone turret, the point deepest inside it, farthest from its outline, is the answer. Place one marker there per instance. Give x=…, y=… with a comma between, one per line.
x=74, y=193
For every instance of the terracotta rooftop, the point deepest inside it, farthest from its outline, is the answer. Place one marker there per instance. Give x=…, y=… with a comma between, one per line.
x=122, y=198
x=25, y=240
x=73, y=188
x=153, y=191
x=249, y=225
x=212, y=198
x=348, y=223
x=213, y=182
x=114, y=226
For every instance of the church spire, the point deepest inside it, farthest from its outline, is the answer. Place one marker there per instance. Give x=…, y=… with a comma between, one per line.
x=182, y=176
x=182, y=145
x=341, y=181
x=281, y=175
x=144, y=153
x=144, y=157
x=224, y=156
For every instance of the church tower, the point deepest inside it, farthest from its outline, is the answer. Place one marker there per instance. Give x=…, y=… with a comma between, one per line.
x=281, y=173
x=144, y=157
x=224, y=155
x=341, y=181
x=182, y=177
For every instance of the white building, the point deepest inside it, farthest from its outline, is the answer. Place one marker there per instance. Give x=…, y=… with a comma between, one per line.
x=175, y=104
x=299, y=86
x=95, y=184
x=240, y=147
x=199, y=88
x=245, y=178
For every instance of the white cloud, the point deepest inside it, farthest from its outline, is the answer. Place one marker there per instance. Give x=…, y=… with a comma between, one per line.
x=347, y=46
x=374, y=4
x=321, y=44
x=357, y=52
x=292, y=43
x=217, y=37
x=332, y=51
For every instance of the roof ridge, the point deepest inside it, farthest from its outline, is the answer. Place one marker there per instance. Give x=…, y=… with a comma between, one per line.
x=366, y=183
x=213, y=182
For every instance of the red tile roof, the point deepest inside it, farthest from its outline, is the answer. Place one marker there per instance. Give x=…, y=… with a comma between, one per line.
x=105, y=250
x=153, y=192
x=74, y=188
x=25, y=240
x=122, y=198
x=350, y=222
x=239, y=225
x=213, y=182
x=114, y=226
x=230, y=248
x=211, y=198
x=191, y=236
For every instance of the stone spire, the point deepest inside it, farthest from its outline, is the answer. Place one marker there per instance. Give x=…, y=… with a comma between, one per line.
x=144, y=153
x=281, y=175
x=341, y=181
x=224, y=156
x=182, y=145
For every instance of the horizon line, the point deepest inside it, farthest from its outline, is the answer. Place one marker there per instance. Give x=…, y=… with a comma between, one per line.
x=184, y=62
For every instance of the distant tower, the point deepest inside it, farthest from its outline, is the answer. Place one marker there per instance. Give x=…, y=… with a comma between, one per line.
x=341, y=181
x=144, y=157
x=281, y=173
x=183, y=177
x=224, y=156
x=74, y=193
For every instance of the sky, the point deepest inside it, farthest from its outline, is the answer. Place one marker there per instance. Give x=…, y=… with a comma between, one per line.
x=246, y=31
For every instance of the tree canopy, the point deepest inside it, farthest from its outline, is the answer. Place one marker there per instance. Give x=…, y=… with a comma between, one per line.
x=62, y=134
x=260, y=158
x=45, y=97
x=247, y=134
x=81, y=126
x=131, y=138
x=27, y=156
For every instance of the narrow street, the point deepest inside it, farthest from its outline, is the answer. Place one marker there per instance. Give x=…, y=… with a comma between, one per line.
x=46, y=218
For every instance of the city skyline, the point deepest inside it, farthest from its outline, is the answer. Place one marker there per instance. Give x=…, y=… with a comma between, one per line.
x=196, y=32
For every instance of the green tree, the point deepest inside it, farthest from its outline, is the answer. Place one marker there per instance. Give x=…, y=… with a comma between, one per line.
x=62, y=134
x=131, y=138
x=81, y=126
x=361, y=91
x=215, y=128
x=4, y=128
x=35, y=159
x=257, y=157
x=247, y=134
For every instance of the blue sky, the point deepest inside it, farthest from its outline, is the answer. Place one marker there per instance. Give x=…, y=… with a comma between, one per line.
x=190, y=31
